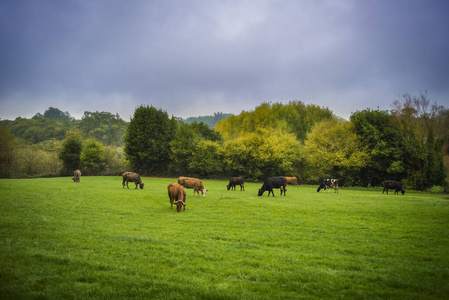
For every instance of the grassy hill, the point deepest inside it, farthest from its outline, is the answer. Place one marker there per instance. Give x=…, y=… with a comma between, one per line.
x=94, y=239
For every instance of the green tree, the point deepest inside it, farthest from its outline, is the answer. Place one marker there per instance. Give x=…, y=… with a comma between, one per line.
x=376, y=131
x=56, y=114
x=70, y=154
x=147, y=140
x=205, y=160
x=422, y=127
x=103, y=127
x=333, y=150
x=182, y=147
x=8, y=144
x=93, y=159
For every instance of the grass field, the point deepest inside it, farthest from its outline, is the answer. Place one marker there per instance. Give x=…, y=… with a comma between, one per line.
x=93, y=239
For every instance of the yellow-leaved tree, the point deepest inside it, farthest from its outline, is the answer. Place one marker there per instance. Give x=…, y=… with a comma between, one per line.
x=333, y=150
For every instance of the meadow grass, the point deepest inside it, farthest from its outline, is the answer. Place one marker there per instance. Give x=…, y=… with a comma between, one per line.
x=94, y=239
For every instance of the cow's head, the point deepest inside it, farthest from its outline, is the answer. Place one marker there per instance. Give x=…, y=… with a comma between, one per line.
x=260, y=193
x=141, y=185
x=179, y=205
x=322, y=186
x=403, y=191
x=228, y=187
x=203, y=191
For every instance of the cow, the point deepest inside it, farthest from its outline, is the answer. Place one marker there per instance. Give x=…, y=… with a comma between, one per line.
x=396, y=185
x=132, y=177
x=273, y=183
x=192, y=183
x=177, y=194
x=76, y=176
x=292, y=180
x=236, y=181
x=329, y=183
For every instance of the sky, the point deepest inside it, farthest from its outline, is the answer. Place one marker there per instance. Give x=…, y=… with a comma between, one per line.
x=196, y=57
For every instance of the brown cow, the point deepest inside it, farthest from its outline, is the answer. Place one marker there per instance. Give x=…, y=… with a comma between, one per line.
x=192, y=183
x=177, y=192
x=292, y=180
x=236, y=181
x=132, y=177
x=76, y=176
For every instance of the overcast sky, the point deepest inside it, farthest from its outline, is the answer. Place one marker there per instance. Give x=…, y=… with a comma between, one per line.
x=193, y=58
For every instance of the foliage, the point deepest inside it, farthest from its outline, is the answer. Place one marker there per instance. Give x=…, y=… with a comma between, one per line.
x=185, y=148
x=210, y=121
x=115, y=161
x=34, y=131
x=375, y=130
x=104, y=127
x=422, y=127
x=70, y=154
x=33, y=161
x=294, y=117
x=205, y=160
x=332, y=150
x=92, y=157
x=262, y=154
x=147, y=140
x=205, y=132
x=182, y=147
x=54, y=114
x=95, y=240
x=8, y=144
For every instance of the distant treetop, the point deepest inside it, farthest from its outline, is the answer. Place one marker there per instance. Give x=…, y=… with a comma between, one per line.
x=208, y=120
x=54, y=114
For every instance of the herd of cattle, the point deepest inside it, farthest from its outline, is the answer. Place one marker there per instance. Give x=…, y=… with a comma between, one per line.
x=177, y=193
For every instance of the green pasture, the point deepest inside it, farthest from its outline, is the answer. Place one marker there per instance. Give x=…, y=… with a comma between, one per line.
x=94, y=239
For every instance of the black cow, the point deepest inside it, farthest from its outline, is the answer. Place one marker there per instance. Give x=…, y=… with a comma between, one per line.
x=396, y=185
x=236, y=181
x=274, y=183
x=329, y=183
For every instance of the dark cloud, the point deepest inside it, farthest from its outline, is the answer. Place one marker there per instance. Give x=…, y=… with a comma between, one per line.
x=198, y=57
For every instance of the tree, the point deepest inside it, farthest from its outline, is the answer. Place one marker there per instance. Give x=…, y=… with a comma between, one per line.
x=92, y=157
x=294, y=117
x=103, y=127
x=332, y=150
x=8, y=144
x=182, y=147
x=422, y=127
x=147, y=140
x=70, y=154
x=56, y=114
x=384, y=143
x=262, y=154
x=205, y=160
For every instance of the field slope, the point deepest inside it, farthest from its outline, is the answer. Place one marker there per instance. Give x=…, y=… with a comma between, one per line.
x=94, y=239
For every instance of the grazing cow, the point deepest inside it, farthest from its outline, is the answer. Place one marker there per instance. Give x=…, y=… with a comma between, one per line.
x=132, y=177
x=177, y=194
x=273, y=183
x=292, y=180
x=76, y=176
x=329, y=183
x=192, y=183
x=396, y=185
x=236, y=181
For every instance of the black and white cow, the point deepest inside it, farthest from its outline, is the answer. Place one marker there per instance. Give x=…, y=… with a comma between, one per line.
x=328, y=184
x=396, y=185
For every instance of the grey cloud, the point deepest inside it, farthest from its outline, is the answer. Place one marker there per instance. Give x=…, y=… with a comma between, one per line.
x=199, y=57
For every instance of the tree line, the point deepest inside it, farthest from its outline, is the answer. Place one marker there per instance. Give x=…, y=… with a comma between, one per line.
x=409, y=143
